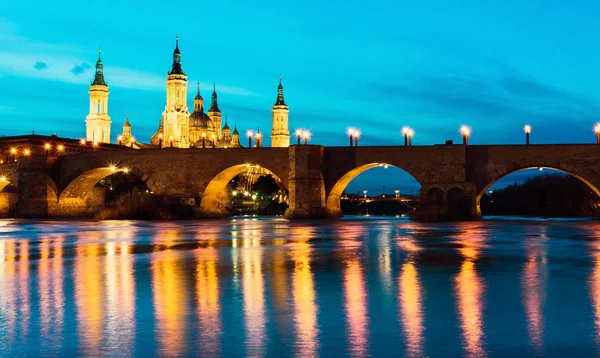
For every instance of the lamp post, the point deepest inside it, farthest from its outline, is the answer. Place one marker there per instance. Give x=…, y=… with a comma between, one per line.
x=465, y=131
x=299, y=135
x=365, y=193
x=132, y=142
x=81, y=143
x=213, y=137
x=356, y=135
x=258, y=140
x=59, y=149
x=13, y=151
x=203, y=140
x=397, y=194
x=527, y=129
x=306, y=135
x=47, y=148
x=597, y=131
x=351, y=132
x=249, y=133
x=171, y=139
x=95, y=145
x=405, y=131
x=410, y=136
x=160, y=136
x=120, y=140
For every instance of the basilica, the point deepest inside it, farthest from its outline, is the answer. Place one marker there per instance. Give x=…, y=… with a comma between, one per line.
x=178, y=128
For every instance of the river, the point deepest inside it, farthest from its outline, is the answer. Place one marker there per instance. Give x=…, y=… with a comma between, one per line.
x=271, y=287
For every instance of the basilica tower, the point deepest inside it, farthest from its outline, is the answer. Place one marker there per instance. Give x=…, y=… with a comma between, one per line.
x=280, y=134
x=97, y=122
x=215, y=113
x=175, y=118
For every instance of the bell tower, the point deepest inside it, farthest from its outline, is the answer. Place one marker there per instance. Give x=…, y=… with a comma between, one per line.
x=280, y=134
x=97, y=122
x=175, y=119
x=214, y=113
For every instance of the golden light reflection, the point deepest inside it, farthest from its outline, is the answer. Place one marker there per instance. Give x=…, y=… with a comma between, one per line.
x=411, y=301
x=356, y=308
x=120, y=296
x=207, y=296
x=305, y=305
x=24, y=289
x=279, y=281
x=594, y=284
x=8, y=294
x=533, y=284
x=88, y=294
x=169, y=292
x=51, y=292
x=384, y=259
x=254, y=299
x=470, y=289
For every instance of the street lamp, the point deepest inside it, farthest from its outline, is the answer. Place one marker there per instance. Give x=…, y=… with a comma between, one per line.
x=47, y=148
x=465, y=131
x=299, y=134
x=95, y=145
x=306, y=136
x=597, y=131
x=13, y=151
x=527, y=129
x=120, y=140
x=405, y=131
x=213, y=137
x=171, y=140
x=249, y=134
x=258, y=140
x=397, y=194
x=356, y=135
x=132, y=141
x=351, y=132
x=160, y=137
x=60, y=149
x=365, y=193
x=26, y=152
x=410, y=135
x=203, y=139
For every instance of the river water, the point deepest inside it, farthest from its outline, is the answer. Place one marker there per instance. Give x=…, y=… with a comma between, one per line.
x=256, y=287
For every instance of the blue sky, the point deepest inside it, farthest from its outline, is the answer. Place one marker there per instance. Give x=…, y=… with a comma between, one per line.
x=433, y=65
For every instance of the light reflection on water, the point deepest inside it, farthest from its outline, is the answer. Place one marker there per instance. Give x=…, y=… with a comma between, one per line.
x=269, y=287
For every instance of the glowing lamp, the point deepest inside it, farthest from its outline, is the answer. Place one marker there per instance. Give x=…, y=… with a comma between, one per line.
x=112, y=168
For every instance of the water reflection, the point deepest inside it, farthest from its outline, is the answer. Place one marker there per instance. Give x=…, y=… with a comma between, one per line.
x=89, y=294
x=411, y=301
x=594, y=288
x=170, y=295
x=254, y=297
x=208, y=300
x=51, y=293
x=356, y=307
x=533, y=283
x=469, y=291
x=257, y=288
x=305, y=305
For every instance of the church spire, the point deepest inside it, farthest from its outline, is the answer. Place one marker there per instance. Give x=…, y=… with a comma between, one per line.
x=198, y=96
x=176, y=69
x=280, y=101
x=99, y=78
x=214, y=107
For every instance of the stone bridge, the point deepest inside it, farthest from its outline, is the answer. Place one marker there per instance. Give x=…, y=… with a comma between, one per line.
x=453, y=177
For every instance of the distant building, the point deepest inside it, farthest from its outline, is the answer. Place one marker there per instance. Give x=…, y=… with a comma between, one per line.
x=178, y=127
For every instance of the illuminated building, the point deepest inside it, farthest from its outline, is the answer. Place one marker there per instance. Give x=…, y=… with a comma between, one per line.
x=98, y=121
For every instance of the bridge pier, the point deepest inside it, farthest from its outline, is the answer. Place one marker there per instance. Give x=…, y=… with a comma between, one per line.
x=447, y=202
x=306, y=183
x=32, y=200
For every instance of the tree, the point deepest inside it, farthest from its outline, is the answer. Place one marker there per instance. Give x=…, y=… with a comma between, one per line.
x=266, y=185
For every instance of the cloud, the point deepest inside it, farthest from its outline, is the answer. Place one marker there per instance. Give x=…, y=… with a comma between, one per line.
x=79, y=69
x=40, y=65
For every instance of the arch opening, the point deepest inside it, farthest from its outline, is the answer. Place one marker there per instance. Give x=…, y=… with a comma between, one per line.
x=244, y=188
x=374, y=189
x=94, y=189
x=539, y=192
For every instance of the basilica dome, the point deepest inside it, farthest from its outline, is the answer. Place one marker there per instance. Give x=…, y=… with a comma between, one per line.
x=201, y=121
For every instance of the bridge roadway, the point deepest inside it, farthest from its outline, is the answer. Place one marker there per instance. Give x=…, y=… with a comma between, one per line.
x=453, y=177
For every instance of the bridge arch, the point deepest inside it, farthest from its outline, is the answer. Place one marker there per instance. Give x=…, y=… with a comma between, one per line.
x=213, y=197
x=333, y=208
x=594, y=185
x=77, y=197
